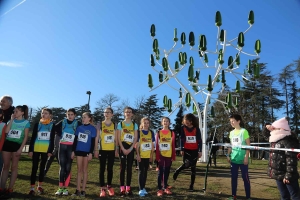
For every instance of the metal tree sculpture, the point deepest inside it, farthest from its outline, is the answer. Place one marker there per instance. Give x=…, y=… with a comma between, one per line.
x=220, y=70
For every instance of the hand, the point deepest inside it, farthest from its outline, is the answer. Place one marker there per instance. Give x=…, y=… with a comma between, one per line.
x=96, y=154
x=90, y=157
x=12, y=117
x=150, y=159
x=72, y=155
x=246, y=160
x=30, y=154
x=182, y=153
x=49, y=154
x=138, y=158
x=18, y=153
x=199, y=154
x=285, y=181
x=126, y=152
x=117, y=153
x=228, y=159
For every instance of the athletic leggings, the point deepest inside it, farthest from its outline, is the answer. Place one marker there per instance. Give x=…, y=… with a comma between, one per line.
x=35, y=164
x=126, y=161
x=109, y=156
x=65, y=162
x=49, y=162
x=164, y=171
x=234, y=177
x=143, y=170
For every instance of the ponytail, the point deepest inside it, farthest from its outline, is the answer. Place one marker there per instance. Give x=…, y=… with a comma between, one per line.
x=24, y=109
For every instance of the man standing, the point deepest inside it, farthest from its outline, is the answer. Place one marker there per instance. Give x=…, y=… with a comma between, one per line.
x=6, y=105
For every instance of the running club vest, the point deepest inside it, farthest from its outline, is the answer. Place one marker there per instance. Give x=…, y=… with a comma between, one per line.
x=42, y=140
x=68, y=132
x=190, y=139
x=107, y=137
x=145, y=144
x=165, y=144
x=237, y=139
x=127, y=134
x=17, y=132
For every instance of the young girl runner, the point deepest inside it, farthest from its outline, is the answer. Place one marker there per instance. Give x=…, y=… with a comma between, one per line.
x=42, y=133
x=65, y=133
x=238, y=157
x=191, y=146
x=83, y=147
x=107, y=152
x=165, y=154
x=127, y=136
x=144, y=151
x=17, y=133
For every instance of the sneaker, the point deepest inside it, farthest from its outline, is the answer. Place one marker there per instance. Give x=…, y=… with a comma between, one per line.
x=232, y=198
x=129, y=192
x=191, y=189
x=102, y=193
x=77, y=193
x=82, y=194
x=175, y=175
x=59, y=191
x=111, y=191
x=167, y=191
x=169, y=187
x=40, y=190
x=65, y=192
x=141, y=193
x=32, y=192
x=145, y=192
x=122, y=193
x=160, y=193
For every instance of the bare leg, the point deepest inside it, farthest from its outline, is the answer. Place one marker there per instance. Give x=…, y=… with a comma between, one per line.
x=6, y=160
x=79, y=171
x=85, y=172
x=14, y=170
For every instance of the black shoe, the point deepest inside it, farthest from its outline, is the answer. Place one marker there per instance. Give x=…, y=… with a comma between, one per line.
x=191, y=189
x=175, y=175
x=129, y=193
x=122, y=194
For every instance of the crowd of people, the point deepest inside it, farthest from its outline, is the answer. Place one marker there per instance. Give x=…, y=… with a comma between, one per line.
x=106, y=140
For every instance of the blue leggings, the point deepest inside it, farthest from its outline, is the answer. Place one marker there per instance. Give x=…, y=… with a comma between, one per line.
x=234, y=178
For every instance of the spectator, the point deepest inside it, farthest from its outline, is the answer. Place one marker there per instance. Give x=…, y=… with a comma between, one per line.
x=6, y=105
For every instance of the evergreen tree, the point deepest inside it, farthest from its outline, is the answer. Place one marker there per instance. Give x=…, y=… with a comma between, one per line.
x=294, y=107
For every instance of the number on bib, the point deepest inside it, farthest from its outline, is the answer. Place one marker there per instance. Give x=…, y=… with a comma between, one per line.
x=164, y=146
x=146, y=146
x=108, y=139
x=16, y=134
x=67, y=137
x=43, y=135
x=82, y=137
x=190, y=139
x=128, y=138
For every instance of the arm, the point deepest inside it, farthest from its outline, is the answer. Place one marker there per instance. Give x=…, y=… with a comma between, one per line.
x=33, y=137
x=51, y=145
x=229, y=150
x=117, y=143
x=182, y=140
x=19, y=152
x=137, y=147
x=95, y=149
x=173, y=146
x=246, y=160
x=157, y=148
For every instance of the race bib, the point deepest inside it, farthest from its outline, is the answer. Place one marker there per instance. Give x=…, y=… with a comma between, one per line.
x=164, y=146
x=82, y=137
x=14, y=134
x=190, y=139
x=43, y=135
x=128, y=138
x=67, y=137
x=146, y=146
x=109, y=139
x=236, y=141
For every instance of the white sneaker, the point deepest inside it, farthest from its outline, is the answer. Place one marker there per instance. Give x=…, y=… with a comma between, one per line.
x=65, y=192
x=59, y=191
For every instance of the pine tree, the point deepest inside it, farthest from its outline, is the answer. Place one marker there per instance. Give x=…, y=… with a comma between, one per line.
x=294, y=107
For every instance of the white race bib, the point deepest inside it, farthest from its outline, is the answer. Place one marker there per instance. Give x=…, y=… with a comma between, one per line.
x=164, y=146
x=82, y=137
x=128, y=138
x=43, y=135
x=109, y=139
x=236, y=141
x=67, y=137
x=16, y=134
x=146, y=146
x=190, y=139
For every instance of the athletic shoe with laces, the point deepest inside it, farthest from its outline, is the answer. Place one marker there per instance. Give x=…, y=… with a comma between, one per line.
x=145, y=192
x=232, y=198
x=82, y=194
x=77, y=193
x=110, y=191
x=59, y=191
x=160, y=193
x=31, y=192
x=167, y=191
x=122, y=193
x=191, y=189
x=102, y=193
x=129, y=192
x=65, y=192
x=141, y=193
x=40, y=190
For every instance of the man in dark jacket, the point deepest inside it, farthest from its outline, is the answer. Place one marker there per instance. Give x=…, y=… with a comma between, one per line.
x=6, y=105
x=214, y=149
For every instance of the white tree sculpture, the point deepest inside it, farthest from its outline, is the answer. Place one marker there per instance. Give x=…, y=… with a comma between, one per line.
x=220, y=70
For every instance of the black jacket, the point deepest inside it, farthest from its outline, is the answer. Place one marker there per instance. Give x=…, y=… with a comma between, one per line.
x=283, y=164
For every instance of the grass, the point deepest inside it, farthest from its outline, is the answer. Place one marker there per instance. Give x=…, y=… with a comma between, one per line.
x=179, y=189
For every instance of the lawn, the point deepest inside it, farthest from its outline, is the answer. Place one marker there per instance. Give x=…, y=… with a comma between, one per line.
x=218, y=186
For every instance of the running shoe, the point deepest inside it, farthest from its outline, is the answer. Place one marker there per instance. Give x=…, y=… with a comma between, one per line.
x=40, y=190
x=77, y=193
x=232, y=198
x=167, y=191
x=141, y=193
x=59, y=191
x=65, y=192
x=102, y=193
x=82, y=194
x=160, y=193
x=111, y=191
x=145, y=192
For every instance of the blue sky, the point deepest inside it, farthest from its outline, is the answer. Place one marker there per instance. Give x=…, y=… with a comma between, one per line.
x=52, y=52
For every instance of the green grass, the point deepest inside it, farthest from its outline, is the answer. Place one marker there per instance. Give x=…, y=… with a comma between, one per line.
x=179, y=189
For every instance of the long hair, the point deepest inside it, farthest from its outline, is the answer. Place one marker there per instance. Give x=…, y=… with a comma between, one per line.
x=192, y=118
x=24, y=109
